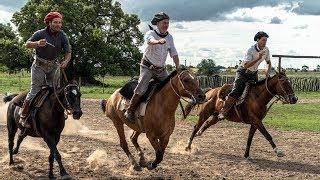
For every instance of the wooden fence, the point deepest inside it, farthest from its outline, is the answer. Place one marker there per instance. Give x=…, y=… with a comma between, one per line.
x=298, y=83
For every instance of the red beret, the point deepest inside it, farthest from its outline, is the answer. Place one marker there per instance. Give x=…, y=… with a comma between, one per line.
x=50, y=16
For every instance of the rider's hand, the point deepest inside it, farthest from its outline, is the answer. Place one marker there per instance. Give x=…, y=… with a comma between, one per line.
x=41, y=42
x=64, y=64
x=162, y=41
x=261, y=53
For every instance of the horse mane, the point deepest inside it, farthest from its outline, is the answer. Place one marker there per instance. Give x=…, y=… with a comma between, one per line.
x=164, y=82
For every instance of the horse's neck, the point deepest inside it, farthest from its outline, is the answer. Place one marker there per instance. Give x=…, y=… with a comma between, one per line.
x=55, y=100
x=264, y=96
x=168, y=97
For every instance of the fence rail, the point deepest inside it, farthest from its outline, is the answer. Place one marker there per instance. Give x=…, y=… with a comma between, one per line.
x=298, y=83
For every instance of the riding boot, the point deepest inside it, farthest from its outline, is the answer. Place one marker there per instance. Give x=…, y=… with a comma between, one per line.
x=129, y=114
x=227, y=106
x=24, y=113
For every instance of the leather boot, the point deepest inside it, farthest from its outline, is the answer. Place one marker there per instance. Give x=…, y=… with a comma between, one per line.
x=227, y=106
x=134, y=102
x=24, y=114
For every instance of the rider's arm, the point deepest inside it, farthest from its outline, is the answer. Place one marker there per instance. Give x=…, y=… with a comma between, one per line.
x=176, y=61
x=173, y=53
x=268, y=61
x=248, y=64
x=35, y=41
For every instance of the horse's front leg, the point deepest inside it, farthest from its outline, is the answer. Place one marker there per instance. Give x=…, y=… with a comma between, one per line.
x=159, y=147
x=266, y=134
x=52, y=144
x=250, y=137
x=21, y=136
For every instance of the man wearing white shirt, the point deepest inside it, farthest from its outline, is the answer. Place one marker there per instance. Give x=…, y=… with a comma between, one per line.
x=248, y=71
x=159, y=44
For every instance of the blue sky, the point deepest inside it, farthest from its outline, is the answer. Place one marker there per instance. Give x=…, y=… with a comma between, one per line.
x=224, y=30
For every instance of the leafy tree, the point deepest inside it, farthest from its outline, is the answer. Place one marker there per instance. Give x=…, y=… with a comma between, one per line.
x=208, y=67
x=104, y=39
x=12, y=54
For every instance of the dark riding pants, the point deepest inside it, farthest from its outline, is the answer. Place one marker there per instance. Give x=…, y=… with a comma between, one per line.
x=239, y=84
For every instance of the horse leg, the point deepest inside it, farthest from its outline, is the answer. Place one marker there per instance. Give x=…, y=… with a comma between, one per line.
x=21, y=136
x=250, y=137
x=52, y=144
x=158, y=150
x=51, y=160
x=202, y=118
x=134, y=140
x=207, y=124
x=266, y=134
x=12, y=130
x=124, y=146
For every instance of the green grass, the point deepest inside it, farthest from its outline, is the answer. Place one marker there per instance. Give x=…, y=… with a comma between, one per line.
x=301, y=117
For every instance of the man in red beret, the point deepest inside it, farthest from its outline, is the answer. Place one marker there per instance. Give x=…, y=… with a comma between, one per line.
x=48, y=43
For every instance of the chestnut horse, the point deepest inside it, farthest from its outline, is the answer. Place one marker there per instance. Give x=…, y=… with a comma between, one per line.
x=159, y=120
x=251, y=111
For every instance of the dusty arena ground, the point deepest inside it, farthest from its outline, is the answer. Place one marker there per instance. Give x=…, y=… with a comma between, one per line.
x=90, y=150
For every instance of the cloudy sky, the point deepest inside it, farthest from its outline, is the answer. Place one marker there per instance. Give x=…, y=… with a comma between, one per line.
x=224, y=30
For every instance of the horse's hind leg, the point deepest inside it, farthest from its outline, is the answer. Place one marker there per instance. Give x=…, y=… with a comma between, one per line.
x=207, y=124
x=250, y=137
x=21, y=136
x=12, y=129
x=203, y=116
x=124, y=144
x=134, y=140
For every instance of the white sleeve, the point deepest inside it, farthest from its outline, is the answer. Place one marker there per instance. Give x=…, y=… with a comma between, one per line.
x=248, y=56
x=268, y=56
x=149, y=36
x=172, y=49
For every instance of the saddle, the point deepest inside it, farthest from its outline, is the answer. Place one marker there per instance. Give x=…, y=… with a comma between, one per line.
x=226, y=89
x=35, y=104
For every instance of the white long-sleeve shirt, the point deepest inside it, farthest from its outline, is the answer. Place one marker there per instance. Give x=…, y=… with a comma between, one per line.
x=252, y=54
x=157, y=54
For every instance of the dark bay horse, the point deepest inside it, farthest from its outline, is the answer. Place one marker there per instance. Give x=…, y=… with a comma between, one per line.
x=159, y=120
x=50, y=121
x=251, y=111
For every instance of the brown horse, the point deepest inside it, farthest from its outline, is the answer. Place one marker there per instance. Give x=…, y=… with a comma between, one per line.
x=49, y=123
x=251, y=111
x=159, y=120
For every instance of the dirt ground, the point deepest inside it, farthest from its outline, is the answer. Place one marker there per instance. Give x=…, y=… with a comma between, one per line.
x=90, y=150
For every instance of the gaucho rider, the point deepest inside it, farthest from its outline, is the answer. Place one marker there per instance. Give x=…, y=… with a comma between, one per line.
x=159, y=42
x=48, y=43
x=248, y=70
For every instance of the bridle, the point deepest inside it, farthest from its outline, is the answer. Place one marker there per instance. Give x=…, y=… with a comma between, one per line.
x=175, y=91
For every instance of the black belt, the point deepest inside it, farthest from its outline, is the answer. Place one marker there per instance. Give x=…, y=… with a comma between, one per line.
x=247, y=71
x=150, y=65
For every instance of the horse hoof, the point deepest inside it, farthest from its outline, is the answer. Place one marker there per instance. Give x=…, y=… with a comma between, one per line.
x=51, y=176
x=15, y=152
x=137, y=168
x=248, y=158
x=66, y=177
x=188, y=148
x=150, y=166
x=279, y=152
x=143, y=164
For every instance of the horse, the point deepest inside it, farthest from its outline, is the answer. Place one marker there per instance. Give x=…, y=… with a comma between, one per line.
x=159, y=119
x=251, y=111
x=49, y=121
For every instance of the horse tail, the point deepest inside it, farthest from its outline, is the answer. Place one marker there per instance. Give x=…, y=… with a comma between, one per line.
x=103, y=105
x=8, y=97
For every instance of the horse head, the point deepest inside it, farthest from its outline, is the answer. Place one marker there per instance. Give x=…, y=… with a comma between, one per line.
x=72, y=99
x=188, y=86
x=282, y=87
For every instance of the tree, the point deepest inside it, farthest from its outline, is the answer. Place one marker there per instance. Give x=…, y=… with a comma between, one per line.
x=208, y=67
x=12, y=54
x=104, y=39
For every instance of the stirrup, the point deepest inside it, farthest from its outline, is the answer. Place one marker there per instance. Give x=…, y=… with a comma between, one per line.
x=24, y=123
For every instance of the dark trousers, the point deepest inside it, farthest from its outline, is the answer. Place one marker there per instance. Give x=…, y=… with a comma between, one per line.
x=239, y=84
